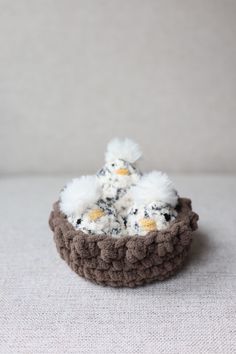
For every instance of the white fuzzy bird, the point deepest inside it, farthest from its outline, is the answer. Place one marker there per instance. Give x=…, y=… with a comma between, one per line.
x=81, y=202
x=120, y=172
x=155, y=199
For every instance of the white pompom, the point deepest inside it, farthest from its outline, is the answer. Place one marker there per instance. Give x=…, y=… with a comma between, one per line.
x=79, y=194
x=155, y=186
x=125, y=149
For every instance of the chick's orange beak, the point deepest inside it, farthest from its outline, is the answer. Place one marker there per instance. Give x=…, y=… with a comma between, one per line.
x=122, y=171
x=148, y=224
x=95, y=214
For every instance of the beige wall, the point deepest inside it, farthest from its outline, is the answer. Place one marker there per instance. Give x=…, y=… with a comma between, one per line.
x=75, y=73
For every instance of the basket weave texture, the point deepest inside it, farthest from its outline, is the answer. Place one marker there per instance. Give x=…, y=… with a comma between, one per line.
x=126, y=261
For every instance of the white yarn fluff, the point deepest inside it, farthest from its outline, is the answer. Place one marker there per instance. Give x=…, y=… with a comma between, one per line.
x=79, y=194
x=125, y=149
x=154, y=186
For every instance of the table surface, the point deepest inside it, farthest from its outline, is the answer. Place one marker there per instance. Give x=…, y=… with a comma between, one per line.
x=46, y=308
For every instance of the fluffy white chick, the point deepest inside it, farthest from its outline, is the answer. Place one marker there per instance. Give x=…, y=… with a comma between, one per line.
x=120, y=171
x=81, y=202
x=78, y=194
x=155, y=199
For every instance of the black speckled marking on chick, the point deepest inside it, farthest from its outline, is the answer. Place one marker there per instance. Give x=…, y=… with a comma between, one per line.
x=106, y=207
x=167, y=217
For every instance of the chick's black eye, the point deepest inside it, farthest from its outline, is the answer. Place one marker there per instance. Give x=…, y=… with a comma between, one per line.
x=167, y=216
x=113, y=165
x=78, y=221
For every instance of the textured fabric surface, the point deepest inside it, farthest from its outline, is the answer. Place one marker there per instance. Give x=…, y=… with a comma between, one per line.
x=125, y=261
x=47, y=308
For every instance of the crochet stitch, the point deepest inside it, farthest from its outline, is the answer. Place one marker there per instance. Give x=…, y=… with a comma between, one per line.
x=154, y=216
x=116, y=178
x=120, y=171
x=81, y=202
x=129, y=260
x=99, y=218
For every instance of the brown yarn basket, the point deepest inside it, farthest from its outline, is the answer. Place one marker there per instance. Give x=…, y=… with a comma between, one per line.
x=130, y=260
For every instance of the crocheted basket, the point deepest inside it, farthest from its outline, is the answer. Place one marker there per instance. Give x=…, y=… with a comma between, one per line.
x=129, y=260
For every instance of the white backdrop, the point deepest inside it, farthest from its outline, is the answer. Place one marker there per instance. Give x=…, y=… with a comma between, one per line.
x=75, y=73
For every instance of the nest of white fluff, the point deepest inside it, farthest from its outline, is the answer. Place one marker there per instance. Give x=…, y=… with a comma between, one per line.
x=119, y=200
